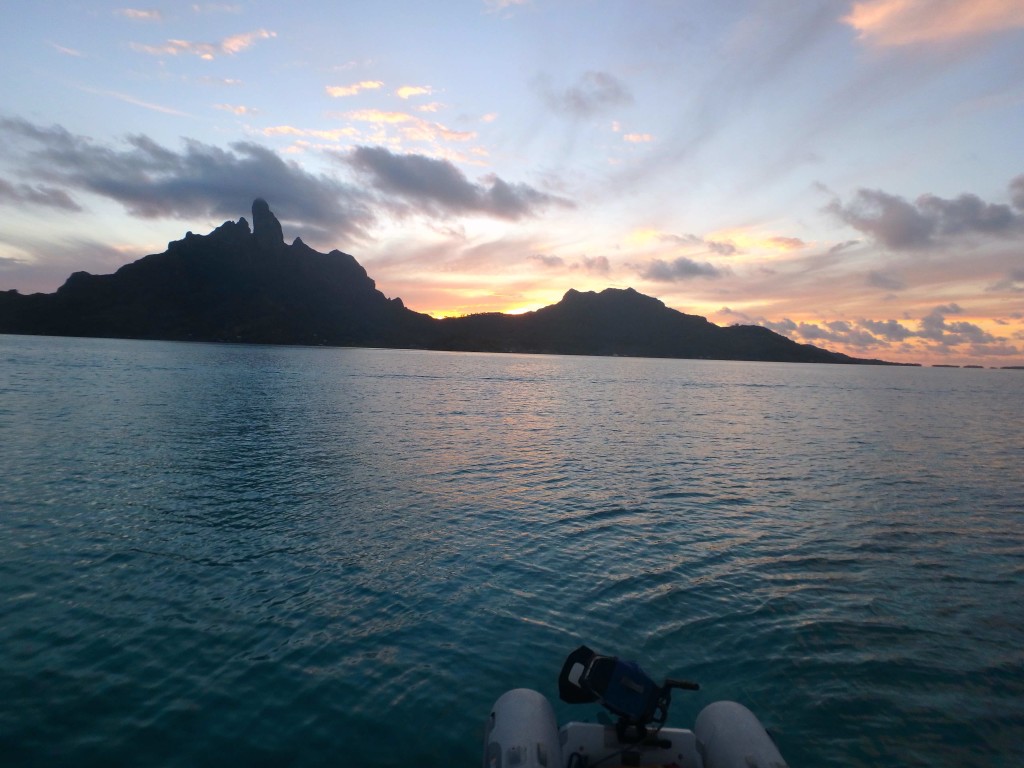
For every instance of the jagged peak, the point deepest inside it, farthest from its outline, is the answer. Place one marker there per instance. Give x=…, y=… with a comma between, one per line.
x=266, y=229
x=611, y=294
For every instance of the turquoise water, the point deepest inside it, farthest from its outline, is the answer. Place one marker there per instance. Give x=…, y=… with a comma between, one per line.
x=248, y=555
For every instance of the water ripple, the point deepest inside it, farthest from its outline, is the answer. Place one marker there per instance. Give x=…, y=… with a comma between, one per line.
x=285, y=556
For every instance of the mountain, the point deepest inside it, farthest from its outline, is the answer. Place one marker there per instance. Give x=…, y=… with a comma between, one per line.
x=247, y=285
x=230, y=285
x=625, y=322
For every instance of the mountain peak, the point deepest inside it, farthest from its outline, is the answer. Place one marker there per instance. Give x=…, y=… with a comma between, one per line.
x=265, y=226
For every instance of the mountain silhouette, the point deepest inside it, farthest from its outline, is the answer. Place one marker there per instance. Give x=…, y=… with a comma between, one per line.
x=238, y=284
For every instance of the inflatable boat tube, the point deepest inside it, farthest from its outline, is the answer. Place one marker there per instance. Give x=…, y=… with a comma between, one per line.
x=522, y=732
x=730, y=736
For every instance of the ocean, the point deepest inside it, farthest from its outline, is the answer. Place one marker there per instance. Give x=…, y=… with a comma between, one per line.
x=251, y=555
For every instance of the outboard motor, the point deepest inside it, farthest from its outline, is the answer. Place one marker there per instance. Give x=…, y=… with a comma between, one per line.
x=522, y=730
x=622, y=688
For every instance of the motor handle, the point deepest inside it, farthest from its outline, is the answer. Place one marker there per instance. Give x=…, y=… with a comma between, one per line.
x=685, y=685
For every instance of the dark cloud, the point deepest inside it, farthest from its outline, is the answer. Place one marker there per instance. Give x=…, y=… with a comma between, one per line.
x=935, y=328
x=899, y=224
x=679, y=269
x=891, y=330
x=889, y=219
x=836, y=332
x=1014, y=281
x=942, y=335
x=721, y=247
x=785, y=325
x=967, y=213
x=438, y=187
x=843, y=246
x=887, y=282
x=595, y=264
x=593, y=93
x=49, y=197
x=153, y=181
x=548, y=261
x=1017, y=192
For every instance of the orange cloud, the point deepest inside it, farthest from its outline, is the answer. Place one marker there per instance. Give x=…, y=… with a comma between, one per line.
x=407, y=91
x=637, y=138
x=338, y=91
x=745, y=240
x=237, y=43
x=906, y=22
x=236, y=109
x=413, y=128
x=206, y=51
x=335, y=134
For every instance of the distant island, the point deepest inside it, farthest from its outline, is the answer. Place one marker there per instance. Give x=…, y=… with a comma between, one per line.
x=245, y=285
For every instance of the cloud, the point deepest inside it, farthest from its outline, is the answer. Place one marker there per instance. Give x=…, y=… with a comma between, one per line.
x=678, y=269
x=908, y=22
x=597, y=265
x=153, y=181
x=594, y=264
x=45, y=262
x=438, y=187
x=885, y=281
x=833, y=332
x=496, y=6
x=940, y=335
x=67, y=51
x=338, y=91
x=593, y=93
x=934, y=327
x=637, y=138
x=208, y=51
x=236, y=109
x=890, y=330
x=721, y=247
x=228, y=81
x=786, y=243
x=899, y=224
x=729, y=242
x=216, y=8
x=136, y=14
x=1014, y=281
x=888, y=219
x=48, y=197
x=843, y=246
x=330, y=134
x=1017, y=192
x=408, y=91
x=127, y=99
x=548, y=261
x=844, y=332
x=411, y=127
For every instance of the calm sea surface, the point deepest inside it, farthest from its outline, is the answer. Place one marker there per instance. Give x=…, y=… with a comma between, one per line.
x=215, y=554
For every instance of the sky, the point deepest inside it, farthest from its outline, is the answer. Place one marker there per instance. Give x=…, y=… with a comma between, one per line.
x=849, y=174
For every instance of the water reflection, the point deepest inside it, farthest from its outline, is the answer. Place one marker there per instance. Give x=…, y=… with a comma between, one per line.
x=302, y=548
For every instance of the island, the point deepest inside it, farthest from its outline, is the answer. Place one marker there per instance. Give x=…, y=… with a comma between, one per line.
x=247, y=285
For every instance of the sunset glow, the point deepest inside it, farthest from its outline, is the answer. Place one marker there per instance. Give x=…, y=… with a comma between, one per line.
x=847, y=174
